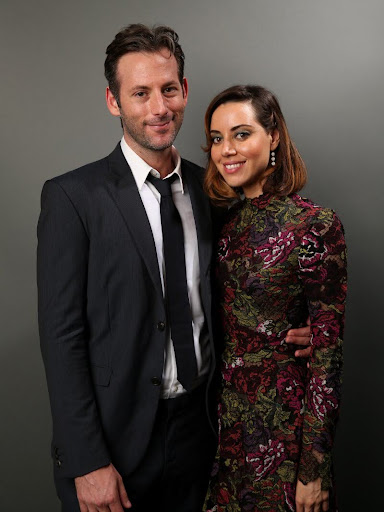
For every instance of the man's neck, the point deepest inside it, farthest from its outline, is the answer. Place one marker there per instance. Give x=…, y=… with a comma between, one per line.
x=160, y=160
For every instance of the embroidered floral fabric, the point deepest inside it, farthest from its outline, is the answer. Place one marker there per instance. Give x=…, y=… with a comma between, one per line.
x=279, y=261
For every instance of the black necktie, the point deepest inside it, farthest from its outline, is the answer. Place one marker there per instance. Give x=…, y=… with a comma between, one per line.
x=176, y=291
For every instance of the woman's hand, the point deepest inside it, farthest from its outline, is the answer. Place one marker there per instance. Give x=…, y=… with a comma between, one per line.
x=310, y=497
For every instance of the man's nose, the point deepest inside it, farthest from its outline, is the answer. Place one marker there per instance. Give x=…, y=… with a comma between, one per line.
x=158, y=104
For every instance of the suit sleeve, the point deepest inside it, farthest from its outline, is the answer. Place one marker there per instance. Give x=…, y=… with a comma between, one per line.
x=322, y=264
x=62, y=260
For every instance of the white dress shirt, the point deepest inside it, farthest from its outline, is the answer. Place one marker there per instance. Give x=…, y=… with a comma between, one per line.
x=151, y=198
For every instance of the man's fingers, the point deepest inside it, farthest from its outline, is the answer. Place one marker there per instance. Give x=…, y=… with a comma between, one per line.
x=304, y=352
x=299, y=339
x=112, y=507
x=300, y=331
x=301, y=335
x=294, y=340
x=118, y=504
x=123, y=495
x=92, y=508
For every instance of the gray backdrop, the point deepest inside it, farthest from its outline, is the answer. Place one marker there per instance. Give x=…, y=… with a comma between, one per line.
x=324, y=61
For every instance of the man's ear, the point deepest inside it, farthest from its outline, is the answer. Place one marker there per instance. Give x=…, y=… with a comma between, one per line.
x=112, y=103
x=275, y=139
x=185, y=90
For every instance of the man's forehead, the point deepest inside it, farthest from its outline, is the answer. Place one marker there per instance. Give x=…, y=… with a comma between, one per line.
x=145, y=61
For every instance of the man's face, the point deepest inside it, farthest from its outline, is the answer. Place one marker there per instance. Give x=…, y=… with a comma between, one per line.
x=152, y=100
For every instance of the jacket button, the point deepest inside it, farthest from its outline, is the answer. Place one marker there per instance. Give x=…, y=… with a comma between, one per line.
x=58, y=463
x=161, y=326
x=156, y=381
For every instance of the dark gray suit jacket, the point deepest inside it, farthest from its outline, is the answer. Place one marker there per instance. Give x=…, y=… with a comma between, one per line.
x=101, y=310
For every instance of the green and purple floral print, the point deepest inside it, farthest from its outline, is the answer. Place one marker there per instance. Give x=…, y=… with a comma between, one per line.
x=279, y=260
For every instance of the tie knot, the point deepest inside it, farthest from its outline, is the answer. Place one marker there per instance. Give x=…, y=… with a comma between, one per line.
x=163, y=186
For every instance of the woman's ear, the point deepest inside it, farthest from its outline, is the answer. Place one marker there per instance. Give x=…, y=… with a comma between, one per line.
x=275, y=139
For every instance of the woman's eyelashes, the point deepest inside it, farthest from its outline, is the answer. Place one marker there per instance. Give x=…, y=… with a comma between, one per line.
x=241, y=135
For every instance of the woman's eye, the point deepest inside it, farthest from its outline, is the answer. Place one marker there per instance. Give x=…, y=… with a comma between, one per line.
x=242, y=135
x=216, y=140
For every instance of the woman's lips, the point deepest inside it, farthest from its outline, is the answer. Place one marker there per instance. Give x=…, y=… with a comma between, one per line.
x=232, y=167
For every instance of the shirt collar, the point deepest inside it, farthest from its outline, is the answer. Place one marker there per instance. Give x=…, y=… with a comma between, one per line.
x=140, y=169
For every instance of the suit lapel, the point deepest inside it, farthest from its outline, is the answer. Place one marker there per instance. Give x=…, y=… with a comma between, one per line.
x=201, y=213
x=123, y=189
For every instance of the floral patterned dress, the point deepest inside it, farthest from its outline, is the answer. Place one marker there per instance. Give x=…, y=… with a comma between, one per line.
x=279, y=261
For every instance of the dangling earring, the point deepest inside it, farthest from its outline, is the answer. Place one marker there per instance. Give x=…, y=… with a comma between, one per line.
x=273, y=158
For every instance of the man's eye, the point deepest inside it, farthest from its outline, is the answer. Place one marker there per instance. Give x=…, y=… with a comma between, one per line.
x=169, y=90
x=140, y=94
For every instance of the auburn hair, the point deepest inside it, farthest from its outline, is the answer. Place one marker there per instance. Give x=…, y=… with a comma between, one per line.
x=289, y=174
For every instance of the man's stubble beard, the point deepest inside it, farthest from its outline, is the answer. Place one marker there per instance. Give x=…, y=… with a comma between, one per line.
x=145, y=142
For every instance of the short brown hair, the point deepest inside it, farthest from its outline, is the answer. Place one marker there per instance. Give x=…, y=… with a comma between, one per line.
x=140, y=38
x=288, y=176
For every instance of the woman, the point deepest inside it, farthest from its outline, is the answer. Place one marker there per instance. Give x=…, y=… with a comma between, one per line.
x=280, y=257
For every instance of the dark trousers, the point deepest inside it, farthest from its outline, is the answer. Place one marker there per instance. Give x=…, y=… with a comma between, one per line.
x=174, y=473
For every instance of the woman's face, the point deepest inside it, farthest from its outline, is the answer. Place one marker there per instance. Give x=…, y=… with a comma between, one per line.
x=241, y=147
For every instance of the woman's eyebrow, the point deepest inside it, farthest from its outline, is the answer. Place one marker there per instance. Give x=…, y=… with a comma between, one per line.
x=240, y=126
x=234, y=128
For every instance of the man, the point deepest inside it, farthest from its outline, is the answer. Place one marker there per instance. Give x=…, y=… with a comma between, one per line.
x=127, y=343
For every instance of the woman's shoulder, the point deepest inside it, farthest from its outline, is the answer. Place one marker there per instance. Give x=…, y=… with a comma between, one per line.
x=312, y=212
x=317, y=222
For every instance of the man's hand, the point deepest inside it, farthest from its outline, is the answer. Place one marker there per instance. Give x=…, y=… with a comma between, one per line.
x=102, y=491
x=301, y=336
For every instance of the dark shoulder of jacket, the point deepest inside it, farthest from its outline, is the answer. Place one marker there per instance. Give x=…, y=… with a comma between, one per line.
x=87, y=176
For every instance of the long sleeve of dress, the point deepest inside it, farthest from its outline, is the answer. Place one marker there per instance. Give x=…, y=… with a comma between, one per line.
x=322, y=268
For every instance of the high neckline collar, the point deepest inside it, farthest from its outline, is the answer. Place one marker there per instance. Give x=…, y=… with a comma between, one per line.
x=261, y=201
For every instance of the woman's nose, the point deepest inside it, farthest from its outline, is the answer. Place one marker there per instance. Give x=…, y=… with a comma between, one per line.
x=228, y=148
